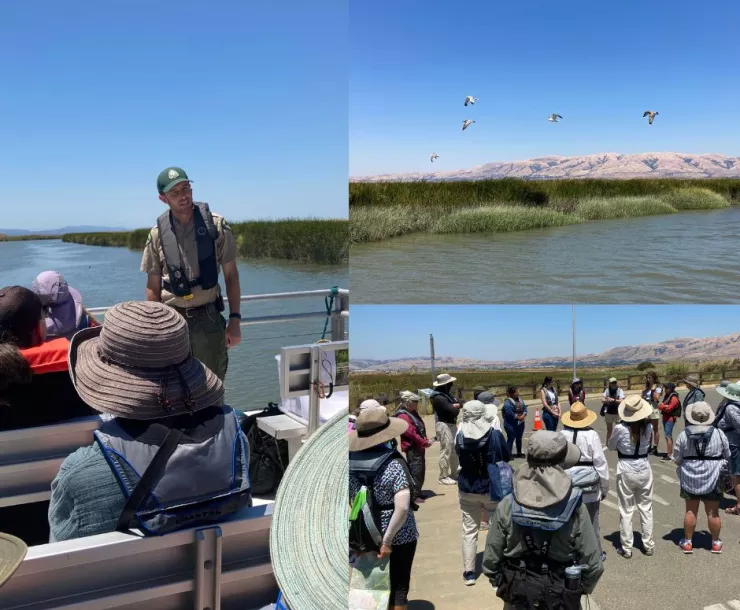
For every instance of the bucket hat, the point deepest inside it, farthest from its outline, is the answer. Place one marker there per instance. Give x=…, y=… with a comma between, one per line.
x=731, y=391
x=542, y=480
x=474, y=421
x=691, y=380
x=309, y=555
x=373, y=427
x=139, y=365
x=12, y=552
x=443, y=379
x=407, y=397
x=578, y=416
x=700, y=414
x=634, y=408
x=63, y=303
x=612, y=380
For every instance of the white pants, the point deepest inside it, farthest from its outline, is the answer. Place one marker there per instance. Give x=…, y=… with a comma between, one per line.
x=472, y=506
x=448, y=461
x=635, y=489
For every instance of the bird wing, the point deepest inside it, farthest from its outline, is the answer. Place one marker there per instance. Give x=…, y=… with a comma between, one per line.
x=647, y=112
x=557, y=115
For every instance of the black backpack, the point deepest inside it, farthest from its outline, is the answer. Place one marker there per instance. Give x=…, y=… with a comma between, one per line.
x=268, y=457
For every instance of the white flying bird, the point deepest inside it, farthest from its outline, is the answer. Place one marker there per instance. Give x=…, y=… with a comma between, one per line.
x=553, y=118
x=466, y=123
x=650, y=113
x=470, y=100
x=433, y=157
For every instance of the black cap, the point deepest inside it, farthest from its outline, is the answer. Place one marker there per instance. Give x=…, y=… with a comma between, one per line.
x=20, y=312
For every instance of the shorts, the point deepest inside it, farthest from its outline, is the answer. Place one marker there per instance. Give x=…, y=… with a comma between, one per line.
x=668, y=428
x=713, y=496
x=655, y=414
x=734, y=461
x=611, y=418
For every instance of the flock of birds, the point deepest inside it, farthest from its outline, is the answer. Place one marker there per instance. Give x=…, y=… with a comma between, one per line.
x=553, y=118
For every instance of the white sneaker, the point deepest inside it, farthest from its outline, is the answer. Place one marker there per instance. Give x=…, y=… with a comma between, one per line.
x=448, y=481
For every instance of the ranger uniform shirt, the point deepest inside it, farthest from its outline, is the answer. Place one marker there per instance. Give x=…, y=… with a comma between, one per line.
x=152, y=261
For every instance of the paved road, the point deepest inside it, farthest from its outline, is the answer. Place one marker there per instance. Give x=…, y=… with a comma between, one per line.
x=666, y=581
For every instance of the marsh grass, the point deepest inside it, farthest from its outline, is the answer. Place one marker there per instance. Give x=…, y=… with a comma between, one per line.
x=304, y=241
x=694, y=198
x=501, y=218
x=4, y=237
x=622, y=207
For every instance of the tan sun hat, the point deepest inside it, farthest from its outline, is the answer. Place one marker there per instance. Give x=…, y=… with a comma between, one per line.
x=443, y=379
x=578, y=416
x=139, y=364
x=691, y=380
x=634, y=408
x=700, y=414
x=12, y=552
x=373, y=427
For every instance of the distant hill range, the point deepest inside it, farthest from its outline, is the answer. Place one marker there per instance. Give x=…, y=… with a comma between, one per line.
x=598, y=166
x=695, y=350
x=62, y=231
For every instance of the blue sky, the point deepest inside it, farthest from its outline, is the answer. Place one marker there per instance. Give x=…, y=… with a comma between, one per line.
x=98, y=97
x=598, y=64
x=515, y=332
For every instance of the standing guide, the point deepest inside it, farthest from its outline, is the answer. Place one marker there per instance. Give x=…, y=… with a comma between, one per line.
x=181, y=259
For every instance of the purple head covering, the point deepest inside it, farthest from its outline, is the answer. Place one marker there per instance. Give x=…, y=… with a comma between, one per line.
x=63, y=301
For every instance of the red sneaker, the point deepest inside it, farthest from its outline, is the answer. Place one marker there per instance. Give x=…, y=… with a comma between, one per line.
x=717, y=546
x=686, y=546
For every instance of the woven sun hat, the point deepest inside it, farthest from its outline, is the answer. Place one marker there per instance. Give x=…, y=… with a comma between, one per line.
x=373, y=427
x=12, y=552
x=138, y=364
x=578, y=416
x=634, y=408
x=309, y=537
x=700, y=414
x=443, y=379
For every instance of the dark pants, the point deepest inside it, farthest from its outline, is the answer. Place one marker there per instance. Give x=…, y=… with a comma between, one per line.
x=514, y=432
x=208, y=340
x=402, y=558
x=550, y=421
x=417, y=466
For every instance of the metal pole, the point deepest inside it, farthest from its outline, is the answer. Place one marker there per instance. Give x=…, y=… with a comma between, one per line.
x=313, y=397
x=573, y=307
x=431, y=347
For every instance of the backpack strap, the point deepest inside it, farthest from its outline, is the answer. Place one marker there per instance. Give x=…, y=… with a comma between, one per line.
x=543, y=552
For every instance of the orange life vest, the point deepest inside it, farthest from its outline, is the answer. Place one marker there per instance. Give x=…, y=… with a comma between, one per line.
x=49, y=357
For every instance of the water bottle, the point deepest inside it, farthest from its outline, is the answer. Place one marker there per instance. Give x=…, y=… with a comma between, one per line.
x=573, y=578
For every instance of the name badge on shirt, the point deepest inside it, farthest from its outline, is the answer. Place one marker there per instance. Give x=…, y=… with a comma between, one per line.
x=187, y=297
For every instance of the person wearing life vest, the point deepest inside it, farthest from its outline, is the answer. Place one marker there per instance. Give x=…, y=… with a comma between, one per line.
x=611, y=398
x=700, y=452
x=728, y=420
x=550, y=404
x=670, y=408
x=541, y=530
x=631, y=440
x=414, y=441
x=181, y=259
x=384, y=473
x=515, y=414
x=66, y=313
x=446, y=411
x=577, y=429
x=576, y=393
x=651, y=393
x=695, y=393
x=485, y=477
x=173, y=456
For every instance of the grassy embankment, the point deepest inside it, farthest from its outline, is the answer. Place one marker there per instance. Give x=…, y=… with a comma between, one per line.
x=384, y=210
x=305, y=241
x=4, y=237
x=380, y=385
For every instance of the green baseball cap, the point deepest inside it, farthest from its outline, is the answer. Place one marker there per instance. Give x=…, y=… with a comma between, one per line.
x=170, y=177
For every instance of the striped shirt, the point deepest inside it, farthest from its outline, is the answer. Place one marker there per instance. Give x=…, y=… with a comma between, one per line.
x=700, y=477
x=730, y=424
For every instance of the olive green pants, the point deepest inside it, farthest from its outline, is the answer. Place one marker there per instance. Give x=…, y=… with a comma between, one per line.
x=208, y=341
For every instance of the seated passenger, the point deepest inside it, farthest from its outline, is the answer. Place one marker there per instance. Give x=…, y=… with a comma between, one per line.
x=173, y=456
x=66, y=313
x=50, y=397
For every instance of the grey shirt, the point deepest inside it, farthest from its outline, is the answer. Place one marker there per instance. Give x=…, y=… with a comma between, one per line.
x=730, y=424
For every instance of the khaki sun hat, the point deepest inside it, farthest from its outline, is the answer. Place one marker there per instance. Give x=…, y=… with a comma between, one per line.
x=578, y=416
x=700, y=414
x=542, y=480
x=731, y=391
x=12, y=552
x=139, y=365
x=634, y=408
x=443, y=379
x=373, y=427
x=691, y=380
x=474, y=420
x=612, y=380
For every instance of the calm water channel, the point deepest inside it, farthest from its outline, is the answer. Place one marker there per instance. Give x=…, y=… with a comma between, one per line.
x=686, y=257
x=106, y=276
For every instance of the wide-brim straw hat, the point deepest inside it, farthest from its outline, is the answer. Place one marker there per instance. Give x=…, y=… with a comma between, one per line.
x=309, y=554
x=443, y=379
x=578, y=416
x=12, y=552
x=700, y=414
x=542, y=480
x=634, y=408
x=139, y=365
x=731, y=391
x=373, y=427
